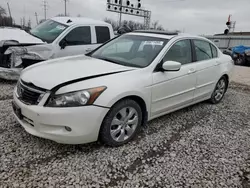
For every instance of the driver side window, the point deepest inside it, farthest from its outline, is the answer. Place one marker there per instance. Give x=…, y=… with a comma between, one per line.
x=180, y=52
x=79, y=36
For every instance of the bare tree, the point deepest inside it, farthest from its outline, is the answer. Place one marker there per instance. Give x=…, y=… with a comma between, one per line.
x=4, y=19
x=41, y=21
x=2, y=12
x=156, y=26
x=133, y=25
x=114, y=24
x=60, y=15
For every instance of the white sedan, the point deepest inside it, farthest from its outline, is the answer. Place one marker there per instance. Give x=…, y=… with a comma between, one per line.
x=114, y=90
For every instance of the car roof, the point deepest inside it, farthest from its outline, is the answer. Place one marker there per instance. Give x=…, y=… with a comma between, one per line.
x=164, y=34
x=78, y=20
x=156, y=32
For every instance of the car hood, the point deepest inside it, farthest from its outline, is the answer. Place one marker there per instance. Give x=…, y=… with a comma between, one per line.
x=17, y=35
x=52, y=73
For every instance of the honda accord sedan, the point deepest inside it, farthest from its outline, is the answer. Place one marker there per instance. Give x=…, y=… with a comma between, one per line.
x=110, y=93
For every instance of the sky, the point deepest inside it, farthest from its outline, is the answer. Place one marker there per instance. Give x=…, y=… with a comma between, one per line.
x=190, y=16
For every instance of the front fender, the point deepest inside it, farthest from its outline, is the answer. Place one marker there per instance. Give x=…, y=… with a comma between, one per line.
x=108, y=100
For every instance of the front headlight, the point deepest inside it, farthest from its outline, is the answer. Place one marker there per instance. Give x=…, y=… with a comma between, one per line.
x=77, y=98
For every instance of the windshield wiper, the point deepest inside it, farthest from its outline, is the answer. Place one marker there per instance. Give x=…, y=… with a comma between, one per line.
x=109, y=60
x=119, y=63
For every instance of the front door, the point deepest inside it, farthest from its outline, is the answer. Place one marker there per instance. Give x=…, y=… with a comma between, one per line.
x=172, y=90
x=78, y=42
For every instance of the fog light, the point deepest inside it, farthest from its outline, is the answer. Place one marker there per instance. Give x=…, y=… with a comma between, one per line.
x=68, y=129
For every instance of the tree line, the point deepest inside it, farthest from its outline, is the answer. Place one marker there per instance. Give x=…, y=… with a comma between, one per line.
x=133, y=25
x=4, y=19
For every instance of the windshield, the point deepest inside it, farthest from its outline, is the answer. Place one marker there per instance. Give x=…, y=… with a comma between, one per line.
x=131, y=50
x=48, y=31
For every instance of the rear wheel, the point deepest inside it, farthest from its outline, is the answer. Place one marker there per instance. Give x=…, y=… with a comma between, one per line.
x=122, y=123
x=219, y=91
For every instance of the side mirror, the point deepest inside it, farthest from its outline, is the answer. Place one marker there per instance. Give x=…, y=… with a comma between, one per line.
x=171, y=66
x=63, y=43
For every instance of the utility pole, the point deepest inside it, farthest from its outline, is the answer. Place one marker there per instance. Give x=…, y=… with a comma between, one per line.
x=120, y=19
x=10, y=13
x=45, y=8
x=29, y=23
x=36, y=18
x=9, y=10
x=24, y=21
x=65, y=7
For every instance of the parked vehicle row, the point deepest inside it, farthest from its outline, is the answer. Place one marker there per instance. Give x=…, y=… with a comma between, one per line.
x=109, y=93
x=54, y=38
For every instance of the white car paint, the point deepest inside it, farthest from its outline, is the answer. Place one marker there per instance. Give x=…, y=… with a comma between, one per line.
x=162, y=92
x=18, y=35
x=45, y=51
x=53, y=50
x=88, y=66
x=78, y=49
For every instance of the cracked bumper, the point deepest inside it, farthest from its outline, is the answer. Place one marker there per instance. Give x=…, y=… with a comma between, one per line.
x=10, y=73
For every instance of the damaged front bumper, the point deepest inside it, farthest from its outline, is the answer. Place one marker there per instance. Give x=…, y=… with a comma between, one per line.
x=10, y=73
x=14, y=57
x=14, y=60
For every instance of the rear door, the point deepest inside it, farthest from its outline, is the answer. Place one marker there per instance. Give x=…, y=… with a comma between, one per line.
x=207, y=67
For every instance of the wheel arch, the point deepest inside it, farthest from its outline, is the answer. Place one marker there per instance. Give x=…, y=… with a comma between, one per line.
x=227, y=79
x=141, y=103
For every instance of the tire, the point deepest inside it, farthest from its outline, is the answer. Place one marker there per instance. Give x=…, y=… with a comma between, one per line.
x=219, y=91
x=117, y=127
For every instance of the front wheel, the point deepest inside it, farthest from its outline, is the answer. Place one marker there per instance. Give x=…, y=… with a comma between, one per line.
x=219, y=91
x=122, y=123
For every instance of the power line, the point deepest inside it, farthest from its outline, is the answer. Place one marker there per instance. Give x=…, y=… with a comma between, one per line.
x=65, y=7
x=45, y=8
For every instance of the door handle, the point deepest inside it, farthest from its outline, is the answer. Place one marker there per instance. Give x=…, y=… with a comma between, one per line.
x=190, y=71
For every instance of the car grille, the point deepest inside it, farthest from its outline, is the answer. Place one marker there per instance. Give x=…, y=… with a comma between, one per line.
x=27, y=94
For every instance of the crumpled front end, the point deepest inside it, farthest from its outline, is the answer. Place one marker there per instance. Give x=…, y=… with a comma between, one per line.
x=14, y=58
x=10, y=73
x=11, y=64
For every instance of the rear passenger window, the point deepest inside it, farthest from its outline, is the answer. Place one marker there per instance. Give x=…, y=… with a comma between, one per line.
x=202, y=50
x=180, y=52
x=214, y=51
x=102, y=34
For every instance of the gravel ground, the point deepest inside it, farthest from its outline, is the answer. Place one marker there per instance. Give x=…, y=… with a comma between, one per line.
x=242, y=75
x=201, y=146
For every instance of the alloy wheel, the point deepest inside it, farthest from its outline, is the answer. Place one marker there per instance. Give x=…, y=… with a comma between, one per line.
x=220, y=90
x=124, y=124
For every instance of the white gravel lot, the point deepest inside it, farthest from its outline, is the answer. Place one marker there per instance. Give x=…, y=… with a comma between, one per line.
x=201, y=146
x=242, y=75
